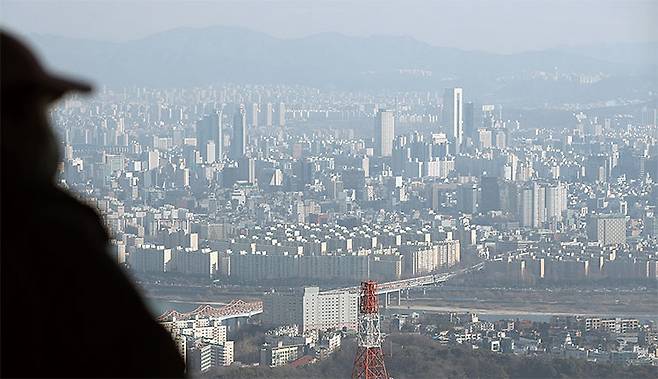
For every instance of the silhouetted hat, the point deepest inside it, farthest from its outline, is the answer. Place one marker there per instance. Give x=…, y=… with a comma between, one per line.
x=21, y=71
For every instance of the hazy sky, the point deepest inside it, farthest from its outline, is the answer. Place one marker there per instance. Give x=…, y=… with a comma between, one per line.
x=493, y=25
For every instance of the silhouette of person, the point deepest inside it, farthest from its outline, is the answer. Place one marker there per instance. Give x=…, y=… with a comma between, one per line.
x=67, y=308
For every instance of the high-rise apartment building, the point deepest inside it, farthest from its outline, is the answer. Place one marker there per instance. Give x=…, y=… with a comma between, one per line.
x=201, y=341
x=312, y=309
x=269, y=114
x=651, y=223
x=541, y=203
x=209, y=152
x=454, y=116
x=556, y=201
x=153, y=160
x=538, y=205
x=152, y=259
x=525, y=203
x=607, y=229
x=254, y=114
x=282, y=114
x=467, y=198
x=531, y=206
x=384, y=133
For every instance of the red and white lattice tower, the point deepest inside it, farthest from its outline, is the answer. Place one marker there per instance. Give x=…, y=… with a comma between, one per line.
x=369, y=359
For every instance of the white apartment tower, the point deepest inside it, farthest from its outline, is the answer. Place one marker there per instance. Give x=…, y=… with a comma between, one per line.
x=540, y=203
x=312, y=309
x=556, y=201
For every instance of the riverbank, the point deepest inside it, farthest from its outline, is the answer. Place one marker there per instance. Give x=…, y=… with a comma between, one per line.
x=499, y=314
x=542, y=303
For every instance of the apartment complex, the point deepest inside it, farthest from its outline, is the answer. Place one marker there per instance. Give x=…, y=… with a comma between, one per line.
x=201, y=342
x=311, y=309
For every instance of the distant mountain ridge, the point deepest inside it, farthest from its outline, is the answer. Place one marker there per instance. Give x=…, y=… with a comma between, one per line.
x=222, y=54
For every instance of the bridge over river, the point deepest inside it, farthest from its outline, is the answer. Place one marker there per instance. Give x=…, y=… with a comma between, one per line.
x=239, y=309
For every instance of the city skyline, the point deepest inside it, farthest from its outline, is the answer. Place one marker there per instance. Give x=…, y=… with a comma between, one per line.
x=282, y=188
x=282, y=227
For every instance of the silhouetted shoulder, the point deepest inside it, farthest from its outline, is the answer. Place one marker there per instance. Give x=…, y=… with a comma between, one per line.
x=55, y=257
x=59, y=204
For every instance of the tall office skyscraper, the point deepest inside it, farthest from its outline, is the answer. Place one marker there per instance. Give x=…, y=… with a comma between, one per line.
x=209, y=129
x=384, y=133
x=470, y=126
x=202, y=134
x=217, y=134
x=453, y=115
x=239, y=142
